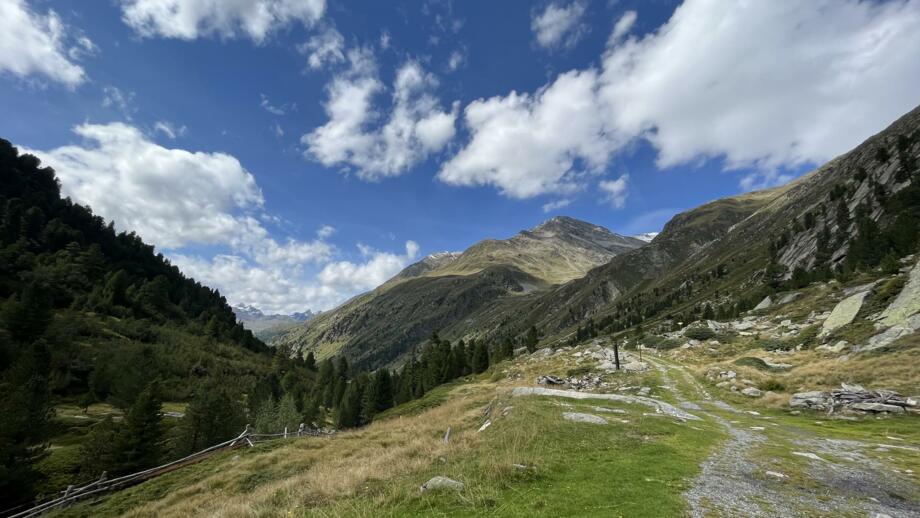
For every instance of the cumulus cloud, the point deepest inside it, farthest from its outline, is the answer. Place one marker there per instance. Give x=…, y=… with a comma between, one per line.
x=325, y=48
x=177, y=197
x=531, y=144
x=769, y=85
x=615, y=191
x=355, y=136
x=181, y=199
x=192, y=19
x=118, y=99
x=35, y=44
x=559, y=25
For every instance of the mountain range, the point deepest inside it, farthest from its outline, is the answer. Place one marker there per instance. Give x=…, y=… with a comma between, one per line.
x=265, y=326
x=565, y=273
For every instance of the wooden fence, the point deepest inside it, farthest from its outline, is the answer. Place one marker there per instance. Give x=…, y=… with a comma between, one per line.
x=104, y=484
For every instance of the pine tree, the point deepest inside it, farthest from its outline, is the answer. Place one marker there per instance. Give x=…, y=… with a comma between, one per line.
x=266, y=418
x=378, y=396
x=97, y=452
x=211, y=417
x=310, y=361
x=350, y=409
x=480, y=357
x=532, y=339
x=138, y=443
x=288, y=415
x=25, y=417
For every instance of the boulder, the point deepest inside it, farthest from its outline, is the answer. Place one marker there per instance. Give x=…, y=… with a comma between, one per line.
x=578, y=417
x=752, y=392
x=893, y=333
x=789, y=297
x=520, y=351
x=816, y=400
x=876, y=407
x=764, y=304
x=844, y=312
x=550, y=380
x=439, y=483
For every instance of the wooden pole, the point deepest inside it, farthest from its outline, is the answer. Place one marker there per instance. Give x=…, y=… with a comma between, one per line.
x=616, y=354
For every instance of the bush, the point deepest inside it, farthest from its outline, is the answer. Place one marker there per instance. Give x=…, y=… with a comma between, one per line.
x=772, y=385
x=773, y=344
x=699, y=333
x=659, y=342
x=808, y=337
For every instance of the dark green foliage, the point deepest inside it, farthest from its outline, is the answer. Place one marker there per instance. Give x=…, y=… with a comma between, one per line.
x=214, y=415
x=24, y=422
x=699, y=333
x=532, y=339
x=139, y=442
x=772, y=385
x=350, y=409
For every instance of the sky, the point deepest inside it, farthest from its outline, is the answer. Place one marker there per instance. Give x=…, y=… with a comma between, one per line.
x=294, y=153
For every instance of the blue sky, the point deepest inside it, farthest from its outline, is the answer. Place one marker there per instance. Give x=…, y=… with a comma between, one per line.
x=294, y=153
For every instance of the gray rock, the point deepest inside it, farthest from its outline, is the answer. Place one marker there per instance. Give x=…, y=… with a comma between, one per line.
x=578, y=417
x=752, y=392
x=789, y=297
x=550, y=380
x=876, y=407
x=907, y=303
x=844, y=312
x=816, y=399
x=764, y=304
x=891, y=334
x=439, y=483
x=836, y=348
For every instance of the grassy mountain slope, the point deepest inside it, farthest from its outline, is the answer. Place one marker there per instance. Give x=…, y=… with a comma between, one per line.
x=444, y=291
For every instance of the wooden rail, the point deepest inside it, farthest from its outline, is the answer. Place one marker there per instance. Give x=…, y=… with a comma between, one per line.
x=72, y=494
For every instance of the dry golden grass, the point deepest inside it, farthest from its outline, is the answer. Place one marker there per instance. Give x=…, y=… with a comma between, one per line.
x=312, y=473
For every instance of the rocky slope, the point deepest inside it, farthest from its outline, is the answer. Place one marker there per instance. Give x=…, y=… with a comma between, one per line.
x=443, y=291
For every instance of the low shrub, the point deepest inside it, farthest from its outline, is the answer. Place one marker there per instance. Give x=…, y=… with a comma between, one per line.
x=699, y=333
x=772, y=385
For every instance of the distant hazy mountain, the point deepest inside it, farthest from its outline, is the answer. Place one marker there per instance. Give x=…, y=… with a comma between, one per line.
x=267, y=326
x=647, y=237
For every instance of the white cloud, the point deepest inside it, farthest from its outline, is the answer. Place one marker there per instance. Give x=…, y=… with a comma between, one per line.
x=180, y=198
x=415, y=126
x=385, y=40
x=456, y=60
x=622, y=27
x=357, y=277
x=34, y=44
x=556, y=205
x=324, y=48
x=527, y=145
x=325, y=231
x=615, y=191
x=176, y=196
x=170, y=130
x=279, y=131
x=191, y=19
x=772, y=84
x=559, y=25
x=764, y=84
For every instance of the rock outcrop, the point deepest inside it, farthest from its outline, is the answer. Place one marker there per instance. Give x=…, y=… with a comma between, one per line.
x=855, y=398
x=844, y=312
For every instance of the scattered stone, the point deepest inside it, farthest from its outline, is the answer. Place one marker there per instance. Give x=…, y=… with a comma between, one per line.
x=752, y=392
x=689, y=405
x=520, y=351
x=484, y=426
x=659, y=406
x=877, y=407
x=728, y=375
x=807, y=455
x=853, y=398
x=909, y=326
x=789, y=297
x=722, y=384
x=645, y=391
x=844, y=312
x=776, y=474
x=758, y=428
x=578, y=417
x=439, y=482
x=550, y=380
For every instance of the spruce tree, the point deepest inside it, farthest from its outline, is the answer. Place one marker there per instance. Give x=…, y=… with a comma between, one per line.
x=532, y=339
x=480, y=357
x=138, y=444
x=310, y=361
x=213, y=416
x=349, y=415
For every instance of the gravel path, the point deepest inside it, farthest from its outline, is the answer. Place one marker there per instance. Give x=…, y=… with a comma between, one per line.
x=843, y=480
